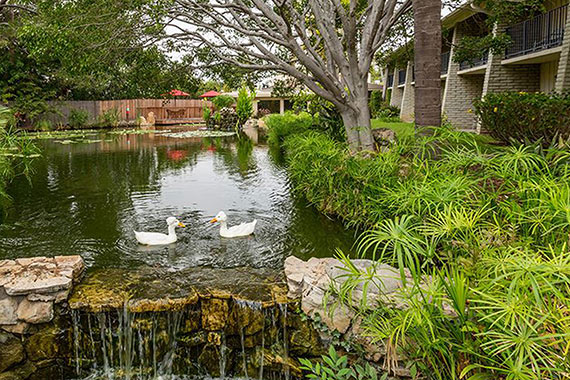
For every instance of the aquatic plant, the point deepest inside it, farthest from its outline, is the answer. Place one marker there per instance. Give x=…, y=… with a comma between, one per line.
x=480, y=235
x=16, y=151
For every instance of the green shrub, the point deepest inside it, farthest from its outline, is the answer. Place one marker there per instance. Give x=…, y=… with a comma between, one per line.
x=335, y=367
x=78, y=118
x=525, y=117
x=206, y=113
x=6, y=117
x=376, y=102
x=223, y=101
x=109, y=118
x=483, y=231
x=325, y=115
x=44, y=125
x=281, y=126
x=244, y=105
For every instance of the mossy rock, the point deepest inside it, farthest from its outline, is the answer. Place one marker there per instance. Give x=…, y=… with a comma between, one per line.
x=11, y=352
x=215, y=314
x=249, y=321
x=49, y=343
x=210, y=359
x=21, y=372
x=304, y=340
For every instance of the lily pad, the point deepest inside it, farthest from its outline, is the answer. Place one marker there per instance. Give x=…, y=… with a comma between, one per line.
x=190, y=134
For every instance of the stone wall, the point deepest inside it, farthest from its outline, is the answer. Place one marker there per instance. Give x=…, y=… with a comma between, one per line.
x=33, y=329
x=57, y=324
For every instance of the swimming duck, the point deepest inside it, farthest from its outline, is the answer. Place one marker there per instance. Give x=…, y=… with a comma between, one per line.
x=155, y=238
x=243, y=229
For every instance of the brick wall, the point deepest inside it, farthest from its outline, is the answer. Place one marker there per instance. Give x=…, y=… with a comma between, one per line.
x=460, y=92
x=563, y=77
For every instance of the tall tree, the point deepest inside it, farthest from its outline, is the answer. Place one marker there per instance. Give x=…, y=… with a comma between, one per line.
x=328, y=45
x=427, y=59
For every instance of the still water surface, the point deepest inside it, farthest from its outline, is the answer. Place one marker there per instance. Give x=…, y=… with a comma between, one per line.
x=87, y=199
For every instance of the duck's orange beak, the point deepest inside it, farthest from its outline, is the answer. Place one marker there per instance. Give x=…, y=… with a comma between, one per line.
x=213, y=220
x=180, y=224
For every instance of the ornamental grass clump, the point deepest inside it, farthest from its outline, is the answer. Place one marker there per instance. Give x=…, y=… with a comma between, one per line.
x=482, y=229
x=520, y=117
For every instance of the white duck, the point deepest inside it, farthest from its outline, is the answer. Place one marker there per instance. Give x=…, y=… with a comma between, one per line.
x=155, y=238
x=243, y=229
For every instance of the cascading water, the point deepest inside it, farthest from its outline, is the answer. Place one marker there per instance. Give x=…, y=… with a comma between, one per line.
x=188, y=338
x=124, y=343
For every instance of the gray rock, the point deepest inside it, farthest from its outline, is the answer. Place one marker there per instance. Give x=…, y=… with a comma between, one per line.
x=8, y=307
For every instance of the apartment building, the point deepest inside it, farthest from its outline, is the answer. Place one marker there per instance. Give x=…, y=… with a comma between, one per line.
x=537, y=59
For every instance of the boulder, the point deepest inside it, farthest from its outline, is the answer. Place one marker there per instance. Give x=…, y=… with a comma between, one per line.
x=150, y=119
x=35, y=312
x=251, y=123
x=12, y=351
x=384, y=138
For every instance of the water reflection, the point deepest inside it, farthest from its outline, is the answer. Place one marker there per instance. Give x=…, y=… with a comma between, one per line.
x=88, y=198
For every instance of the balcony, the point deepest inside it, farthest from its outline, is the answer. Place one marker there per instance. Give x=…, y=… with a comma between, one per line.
x=542, y=32
x=445, y=57
x=401, y=77
x=471, y=64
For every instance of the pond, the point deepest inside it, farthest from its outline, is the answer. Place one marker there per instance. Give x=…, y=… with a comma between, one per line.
x=86, y=196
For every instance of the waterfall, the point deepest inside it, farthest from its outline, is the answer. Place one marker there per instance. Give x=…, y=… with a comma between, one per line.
x=75, y=320
x=121, y=344
x=124, y=345
x=242, y=338
x=283, y=308
x=223, y=349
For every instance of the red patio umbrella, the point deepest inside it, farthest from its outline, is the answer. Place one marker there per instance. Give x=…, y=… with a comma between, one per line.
x=210, y=94
x=175, y=93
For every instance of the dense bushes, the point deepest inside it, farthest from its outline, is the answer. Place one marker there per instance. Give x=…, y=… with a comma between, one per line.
x=78, y=118
x=382, y=110
x=483, y=230
x=281, y=126
x=523, y=117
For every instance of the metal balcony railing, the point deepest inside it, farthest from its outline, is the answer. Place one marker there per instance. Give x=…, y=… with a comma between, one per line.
x=445, y=57
x=474, y=62
x=542, y=32
x=390, y=81
x=401, y=77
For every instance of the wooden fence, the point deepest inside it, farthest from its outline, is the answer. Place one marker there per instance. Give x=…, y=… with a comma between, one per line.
x=165, y=110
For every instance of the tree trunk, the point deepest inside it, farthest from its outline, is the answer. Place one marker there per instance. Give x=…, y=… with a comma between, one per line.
x=357, y=125
x=427, y=51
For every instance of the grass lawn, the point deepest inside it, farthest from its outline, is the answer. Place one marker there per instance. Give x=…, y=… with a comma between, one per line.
x=401, y=129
